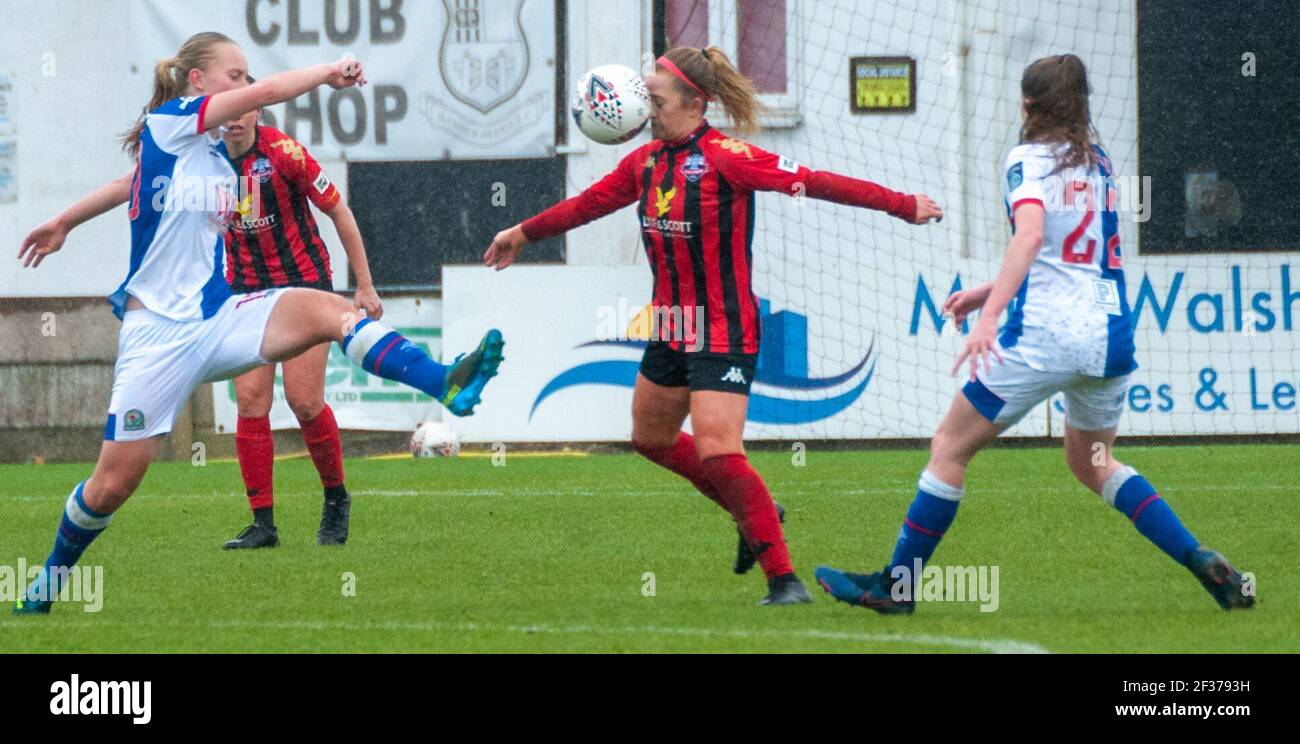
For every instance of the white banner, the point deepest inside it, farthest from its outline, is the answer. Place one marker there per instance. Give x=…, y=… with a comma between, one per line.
x=360, y=401
x=449, y=79
x=1215, y=345
x=571, y=363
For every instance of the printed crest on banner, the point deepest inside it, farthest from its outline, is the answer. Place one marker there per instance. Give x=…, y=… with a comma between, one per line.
x=483, y=59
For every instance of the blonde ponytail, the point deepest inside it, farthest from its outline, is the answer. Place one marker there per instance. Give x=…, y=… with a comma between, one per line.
x=713, y=72
x=171, y=78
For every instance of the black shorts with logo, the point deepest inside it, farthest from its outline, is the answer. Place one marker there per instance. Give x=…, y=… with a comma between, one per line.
x=698, y=370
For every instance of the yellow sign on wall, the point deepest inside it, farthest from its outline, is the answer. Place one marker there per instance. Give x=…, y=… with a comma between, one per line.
x=879, y=85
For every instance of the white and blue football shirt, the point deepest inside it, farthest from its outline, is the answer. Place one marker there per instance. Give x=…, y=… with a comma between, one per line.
x=1071, y=314
x=182, y=198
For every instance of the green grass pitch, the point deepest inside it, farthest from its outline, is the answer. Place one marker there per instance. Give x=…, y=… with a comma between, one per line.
x=549, y=554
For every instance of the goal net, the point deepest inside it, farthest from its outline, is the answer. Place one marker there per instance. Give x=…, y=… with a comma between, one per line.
x=924, y=97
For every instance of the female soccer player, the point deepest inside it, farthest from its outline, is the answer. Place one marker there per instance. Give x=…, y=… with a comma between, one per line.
x=694, y=189
x=181, y=324
x=275, y=243
x=1069, y=331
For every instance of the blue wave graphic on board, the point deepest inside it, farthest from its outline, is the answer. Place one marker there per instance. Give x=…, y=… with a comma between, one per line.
x=782, y=364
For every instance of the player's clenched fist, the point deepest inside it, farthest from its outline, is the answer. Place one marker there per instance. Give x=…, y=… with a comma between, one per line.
x=347, y=72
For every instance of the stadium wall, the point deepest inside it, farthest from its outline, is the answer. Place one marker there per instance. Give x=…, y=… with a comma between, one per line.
x=855, y=276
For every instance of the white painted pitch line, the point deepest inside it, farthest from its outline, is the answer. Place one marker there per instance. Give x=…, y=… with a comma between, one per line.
x=1064, y=489
x=992, y=646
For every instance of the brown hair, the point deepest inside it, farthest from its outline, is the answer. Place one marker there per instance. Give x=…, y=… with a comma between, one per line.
x=171, y=78
x=1055, y=91
x=712, y=71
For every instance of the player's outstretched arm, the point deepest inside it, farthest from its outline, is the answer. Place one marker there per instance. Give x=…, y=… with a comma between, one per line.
x=1021, y=253
x=756, y=169
x=49, y=237
x=917, y=209
x=610, y=194
x=280, y=87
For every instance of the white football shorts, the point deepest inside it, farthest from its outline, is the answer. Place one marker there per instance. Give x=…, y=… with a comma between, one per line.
x=161, y=361
x=1007, y=391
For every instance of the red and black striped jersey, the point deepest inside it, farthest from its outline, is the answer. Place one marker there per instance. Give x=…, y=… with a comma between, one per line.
x=274, y=241
x=695, y=204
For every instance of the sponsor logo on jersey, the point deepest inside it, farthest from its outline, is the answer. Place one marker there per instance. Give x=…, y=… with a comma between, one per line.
x=262, y=170
x=290, y=148
x=672, y=227
x=1015, y=176
x=694, y=168
x=250, y=218
x=787, y=165
x=251, y=223
x=664, y=200
x=133, y=420
x=734, y=146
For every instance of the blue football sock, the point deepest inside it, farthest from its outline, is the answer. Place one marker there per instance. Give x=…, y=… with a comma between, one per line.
x=77, y=530
x=930, y=515
x=1137, y=499
x=384, y=352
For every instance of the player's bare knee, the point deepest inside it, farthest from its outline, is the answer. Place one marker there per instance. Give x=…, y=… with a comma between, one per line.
x=946, y=447
x=649, y=434
x=325, y=315
x=651, y=429
x=253, y=405
x=1088, y=469
x=107, y=490
x=713, y=444
x=1088, y=475
x=305, y=408
x=337, y=306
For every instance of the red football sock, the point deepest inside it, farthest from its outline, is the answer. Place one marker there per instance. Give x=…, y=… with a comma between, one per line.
x=322, y=437
x=742, y=489
x=682, y=459
x=256, y=451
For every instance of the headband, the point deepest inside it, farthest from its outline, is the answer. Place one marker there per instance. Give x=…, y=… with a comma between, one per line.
x=668, y=65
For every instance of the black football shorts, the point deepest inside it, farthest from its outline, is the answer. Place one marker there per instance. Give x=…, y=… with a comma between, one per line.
x=698, y=370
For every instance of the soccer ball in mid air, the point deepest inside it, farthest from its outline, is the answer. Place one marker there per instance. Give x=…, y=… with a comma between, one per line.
x=435, y=439
x=611, y=104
